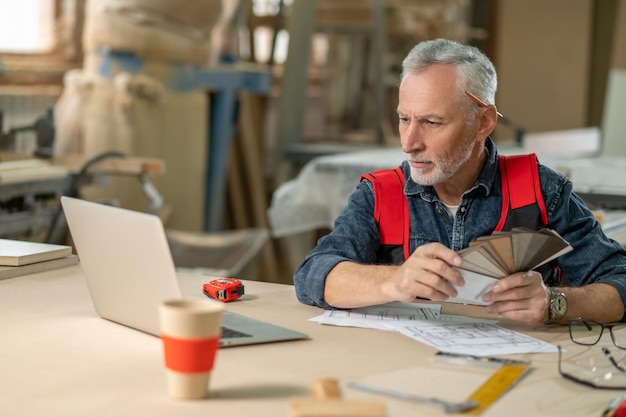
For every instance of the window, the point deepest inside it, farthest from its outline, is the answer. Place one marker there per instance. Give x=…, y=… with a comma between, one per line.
x=39, y=41
x=26, y=26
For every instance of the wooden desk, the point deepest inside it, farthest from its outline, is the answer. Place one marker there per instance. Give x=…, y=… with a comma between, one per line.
x=59, y=359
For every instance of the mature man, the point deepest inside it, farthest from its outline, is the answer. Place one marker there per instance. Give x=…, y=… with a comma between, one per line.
x=454, y=194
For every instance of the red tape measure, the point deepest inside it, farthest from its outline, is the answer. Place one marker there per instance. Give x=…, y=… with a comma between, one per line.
x=223, y=289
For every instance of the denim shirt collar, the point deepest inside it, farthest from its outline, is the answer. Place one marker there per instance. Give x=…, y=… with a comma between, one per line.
x=484, y=182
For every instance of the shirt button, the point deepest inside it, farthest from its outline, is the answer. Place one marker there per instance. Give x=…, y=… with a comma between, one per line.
x=439, y=210
x=462, y=209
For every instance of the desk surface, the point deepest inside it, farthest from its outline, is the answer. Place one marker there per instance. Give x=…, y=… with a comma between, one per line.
x=59, y=359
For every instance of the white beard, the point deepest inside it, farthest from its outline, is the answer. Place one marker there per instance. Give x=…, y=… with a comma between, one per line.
x=443, y=170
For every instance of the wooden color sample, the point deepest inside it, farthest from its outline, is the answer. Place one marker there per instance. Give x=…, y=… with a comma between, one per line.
x=327, y=402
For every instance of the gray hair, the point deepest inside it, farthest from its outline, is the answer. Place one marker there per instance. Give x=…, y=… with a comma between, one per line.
x=476, y=72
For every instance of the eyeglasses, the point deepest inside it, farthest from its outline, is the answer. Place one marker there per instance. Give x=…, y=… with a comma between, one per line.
x=588, y=332
x=589, y=367
x=482, y=103
x=605, y=372
x=613, y=360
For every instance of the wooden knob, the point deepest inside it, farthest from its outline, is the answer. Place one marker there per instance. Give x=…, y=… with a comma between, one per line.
x=325, y=388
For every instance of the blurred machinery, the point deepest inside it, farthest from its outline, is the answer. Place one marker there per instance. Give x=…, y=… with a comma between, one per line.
x=32, y=182
x=29, y=187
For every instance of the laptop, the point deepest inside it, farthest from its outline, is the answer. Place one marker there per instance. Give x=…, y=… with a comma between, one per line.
x=129, y=270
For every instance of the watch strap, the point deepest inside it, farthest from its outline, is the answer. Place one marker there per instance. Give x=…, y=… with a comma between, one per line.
x=555, y=316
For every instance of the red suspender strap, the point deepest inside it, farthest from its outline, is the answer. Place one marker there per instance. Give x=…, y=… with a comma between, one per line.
x=406, y=220
x=534, y=166
x=391, y=210
x=520, y=174
x=505, y=193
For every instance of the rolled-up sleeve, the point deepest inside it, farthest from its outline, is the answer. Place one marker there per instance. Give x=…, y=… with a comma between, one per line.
x=595, y=258
x=354, y=238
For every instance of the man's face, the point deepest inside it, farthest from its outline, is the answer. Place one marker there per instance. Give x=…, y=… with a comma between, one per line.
x=434, y=132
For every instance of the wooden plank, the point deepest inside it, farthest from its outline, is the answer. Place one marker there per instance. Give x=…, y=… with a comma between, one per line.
x=237, y=189
x=250, y=125
x=118, y=166
x=29, y=170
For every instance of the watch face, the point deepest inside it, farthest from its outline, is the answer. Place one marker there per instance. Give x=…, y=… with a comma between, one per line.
x=560, y=305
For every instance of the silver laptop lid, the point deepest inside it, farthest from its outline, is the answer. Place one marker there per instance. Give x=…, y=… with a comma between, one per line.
x=122, y=254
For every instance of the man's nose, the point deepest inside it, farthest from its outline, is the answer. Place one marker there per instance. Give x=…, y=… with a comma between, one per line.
x=411, y=139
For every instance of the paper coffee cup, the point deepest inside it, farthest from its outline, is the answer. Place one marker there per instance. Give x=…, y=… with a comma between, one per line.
x=190, y=331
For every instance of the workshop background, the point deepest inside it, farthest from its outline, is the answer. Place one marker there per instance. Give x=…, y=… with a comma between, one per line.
x=215, y=104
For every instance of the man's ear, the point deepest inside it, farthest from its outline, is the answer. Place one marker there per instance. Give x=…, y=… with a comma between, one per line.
x=487, y=122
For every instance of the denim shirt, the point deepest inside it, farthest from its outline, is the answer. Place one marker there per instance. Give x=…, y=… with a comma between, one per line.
x=355, y=237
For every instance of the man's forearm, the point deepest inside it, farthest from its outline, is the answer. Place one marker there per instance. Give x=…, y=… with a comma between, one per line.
x=600, y=302
x=352, y=285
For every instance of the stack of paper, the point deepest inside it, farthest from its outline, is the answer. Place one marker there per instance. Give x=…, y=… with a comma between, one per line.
x=500, y=254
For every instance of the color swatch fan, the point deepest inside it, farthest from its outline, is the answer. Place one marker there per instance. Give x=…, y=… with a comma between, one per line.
x=521, y=249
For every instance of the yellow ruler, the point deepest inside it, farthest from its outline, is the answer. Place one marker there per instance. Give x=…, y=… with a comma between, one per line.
x=504, y=378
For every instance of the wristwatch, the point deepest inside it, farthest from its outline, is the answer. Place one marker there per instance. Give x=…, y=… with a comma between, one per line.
x=557, y=307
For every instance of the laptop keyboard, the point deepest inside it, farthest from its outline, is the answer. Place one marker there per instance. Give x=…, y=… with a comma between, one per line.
x=228, y=333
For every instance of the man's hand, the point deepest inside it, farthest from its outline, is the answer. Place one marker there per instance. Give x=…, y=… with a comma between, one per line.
x=428, y=273
x=521, y=296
